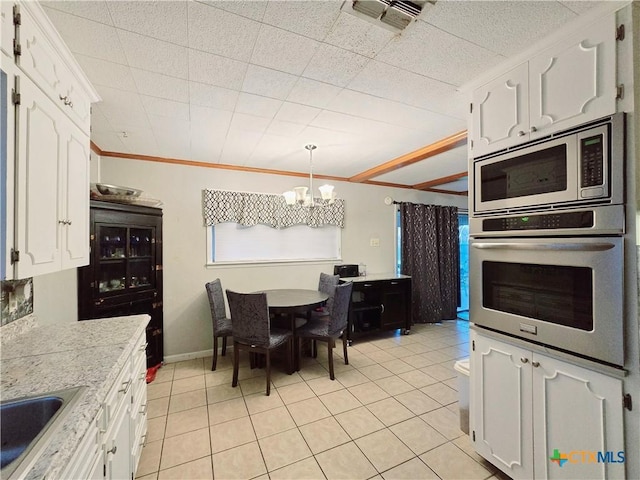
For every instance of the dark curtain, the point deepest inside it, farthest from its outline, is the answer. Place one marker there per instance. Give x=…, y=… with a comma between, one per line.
x=430, y=254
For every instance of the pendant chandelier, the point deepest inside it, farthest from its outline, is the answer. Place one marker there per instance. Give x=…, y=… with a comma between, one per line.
x=304, y=195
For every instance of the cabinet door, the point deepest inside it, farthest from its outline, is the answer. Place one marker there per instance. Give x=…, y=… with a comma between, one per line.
x=576, y=410
x=500, y=408
x=41, y=127
x=500, y=112
x=6, y=29
x=574, y=81
x=394, y=305
x=75, y=198
x=118, y=445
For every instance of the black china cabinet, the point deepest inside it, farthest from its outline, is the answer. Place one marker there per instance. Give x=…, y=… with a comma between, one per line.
x=125, y=273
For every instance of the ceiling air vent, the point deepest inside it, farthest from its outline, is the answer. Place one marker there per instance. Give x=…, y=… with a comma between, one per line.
x=391, y=14
x=400, y=14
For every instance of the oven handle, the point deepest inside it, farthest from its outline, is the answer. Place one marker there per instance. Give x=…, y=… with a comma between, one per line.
x=572, y=247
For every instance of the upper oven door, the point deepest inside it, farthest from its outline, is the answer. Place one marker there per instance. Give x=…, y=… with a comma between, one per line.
x=541, y=174
x=561, y=292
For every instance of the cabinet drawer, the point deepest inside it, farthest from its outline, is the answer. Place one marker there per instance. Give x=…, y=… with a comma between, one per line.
x=120, y=390
x=88, y=452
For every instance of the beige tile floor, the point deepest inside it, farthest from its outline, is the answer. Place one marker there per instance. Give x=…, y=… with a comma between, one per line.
x=392, y=413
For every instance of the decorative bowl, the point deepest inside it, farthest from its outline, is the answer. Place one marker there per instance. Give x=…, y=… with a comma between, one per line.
x=105, y=189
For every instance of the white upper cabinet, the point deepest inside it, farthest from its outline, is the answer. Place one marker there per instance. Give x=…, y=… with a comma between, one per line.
x=52, y=148
x=6, y=30
x=569, y=83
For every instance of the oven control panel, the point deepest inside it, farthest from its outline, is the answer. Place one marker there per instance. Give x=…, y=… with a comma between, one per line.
x=591, y=161
x=547, y=221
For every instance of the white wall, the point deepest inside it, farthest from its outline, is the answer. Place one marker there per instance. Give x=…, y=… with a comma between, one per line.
x=55, y=297
x=187, y=321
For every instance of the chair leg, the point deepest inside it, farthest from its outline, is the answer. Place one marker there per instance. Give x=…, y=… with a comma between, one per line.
x=224, y=346
x=268, y=355
x=330, y=344
x=236, y=361
x=215, y=352
x=344, y=348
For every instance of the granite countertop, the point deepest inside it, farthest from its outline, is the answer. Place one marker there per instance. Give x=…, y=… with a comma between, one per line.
x=375, y=276
x=56, y=357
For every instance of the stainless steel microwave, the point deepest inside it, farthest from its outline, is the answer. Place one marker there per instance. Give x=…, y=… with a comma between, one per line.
x=577, y=167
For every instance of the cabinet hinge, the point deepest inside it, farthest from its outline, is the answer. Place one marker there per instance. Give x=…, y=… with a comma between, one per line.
x=620, y=92
x=17, y=48
x=92, y=237
x=158, y=268
x=627, y=402
x=473, y=345
x=15, y=94
x=471, y=108
x=104, y=470
x=473, y=435
x=17, y=18
x=15, y=256
x=471, y=144
x=620, y=33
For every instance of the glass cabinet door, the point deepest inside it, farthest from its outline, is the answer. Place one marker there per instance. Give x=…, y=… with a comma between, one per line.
x=141, y=257
x=112, y=270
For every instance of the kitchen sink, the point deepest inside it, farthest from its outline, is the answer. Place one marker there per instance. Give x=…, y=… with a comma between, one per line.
x=27, y=425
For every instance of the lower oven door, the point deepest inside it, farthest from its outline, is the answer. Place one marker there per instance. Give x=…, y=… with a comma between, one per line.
x=565, y=293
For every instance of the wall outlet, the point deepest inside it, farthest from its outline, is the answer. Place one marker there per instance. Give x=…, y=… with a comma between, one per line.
x=374, y=242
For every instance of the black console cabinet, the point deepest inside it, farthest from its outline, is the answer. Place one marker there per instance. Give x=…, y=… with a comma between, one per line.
x=379, y=302
x=125, y=273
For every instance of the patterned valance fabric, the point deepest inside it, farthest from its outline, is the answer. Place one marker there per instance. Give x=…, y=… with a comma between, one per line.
x=249, y=209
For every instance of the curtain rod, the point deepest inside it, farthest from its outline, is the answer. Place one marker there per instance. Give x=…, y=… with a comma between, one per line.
x=460, y=209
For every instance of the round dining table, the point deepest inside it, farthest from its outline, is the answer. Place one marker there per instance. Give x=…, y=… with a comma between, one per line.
x=293, y=302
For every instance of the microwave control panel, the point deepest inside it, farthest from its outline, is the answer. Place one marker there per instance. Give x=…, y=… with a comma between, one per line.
x=549, y=221
x=592, y=161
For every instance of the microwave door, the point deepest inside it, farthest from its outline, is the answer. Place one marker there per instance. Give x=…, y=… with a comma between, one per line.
x=537, y=175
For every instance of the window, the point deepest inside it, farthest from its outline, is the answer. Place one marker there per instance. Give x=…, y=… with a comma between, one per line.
x=233, y=243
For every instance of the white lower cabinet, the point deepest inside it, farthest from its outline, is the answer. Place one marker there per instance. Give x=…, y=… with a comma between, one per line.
x=534, y=416
x=112, y=446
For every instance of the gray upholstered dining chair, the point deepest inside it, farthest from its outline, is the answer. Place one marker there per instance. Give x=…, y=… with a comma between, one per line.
x=327, y=284
x=252, y=331
x=221, y=323
x=331, y=327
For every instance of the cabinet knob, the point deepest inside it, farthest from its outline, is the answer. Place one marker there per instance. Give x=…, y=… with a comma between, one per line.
x=535, y=364
x=524, y=360
x=534, y=129
x=113, y=450
x=66, y=100
x=521, y=133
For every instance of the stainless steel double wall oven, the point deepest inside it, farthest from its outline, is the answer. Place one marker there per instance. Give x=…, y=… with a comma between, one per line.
x=546, y=254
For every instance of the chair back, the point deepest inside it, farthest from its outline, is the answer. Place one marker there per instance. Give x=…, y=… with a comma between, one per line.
x=250, y=315
x=216, y=301
x=327, y=284
x=340, y=309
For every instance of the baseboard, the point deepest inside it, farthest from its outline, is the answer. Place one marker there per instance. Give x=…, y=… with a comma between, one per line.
x=189, y=356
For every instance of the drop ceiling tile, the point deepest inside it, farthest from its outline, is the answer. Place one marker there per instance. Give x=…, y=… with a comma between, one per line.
x=108, y=141
x=358, y=36
x=210, y=119
x=249, y=123
x=311, y=19
x=177, y=131
x=161, y=86
x=367, y=106
x=393, y=83
x=109, y=74
x=268, y=82
x=88, y=38
x=206, y=146
x=216, y=70
x=296, y=113
x=284, y=129
x=124, y=110
x=165, y=21
x=348, y=123
x=452, y=162
x=516, y=25
x=282, y=50
x=426, y=50
x=334, y=65
x=239, y=146
x=140, y=141
x=216, y=31
x=96, y=10
x=313, y=93
x=212, y=96
x=165, y=108
x=245, y=8
x=257, y=105
x=154, y=55
x=99, y=122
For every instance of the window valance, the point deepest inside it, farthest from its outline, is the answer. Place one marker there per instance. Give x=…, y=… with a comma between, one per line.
x=249, y=209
